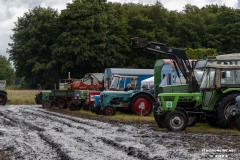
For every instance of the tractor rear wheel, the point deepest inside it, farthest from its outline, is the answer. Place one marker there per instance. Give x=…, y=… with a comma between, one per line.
x=92, y=108
x=61, y=103
x=75, y=105
x=47, y=104
x=225, y=108
x=109, y=111
x=176, y=121
x=3, y=98
x=237, y=122
x=141, y=105
x=212, y=121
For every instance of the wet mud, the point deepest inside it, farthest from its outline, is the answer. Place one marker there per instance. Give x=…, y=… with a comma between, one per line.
x=31, y=132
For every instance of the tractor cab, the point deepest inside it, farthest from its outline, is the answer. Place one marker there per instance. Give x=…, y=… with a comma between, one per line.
x=220, y=86
x=119, y=82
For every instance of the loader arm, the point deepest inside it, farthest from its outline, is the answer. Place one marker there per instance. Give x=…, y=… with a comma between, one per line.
x=178, y=56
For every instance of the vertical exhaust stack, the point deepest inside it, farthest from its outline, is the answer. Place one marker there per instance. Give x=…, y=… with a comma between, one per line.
x=69, y=76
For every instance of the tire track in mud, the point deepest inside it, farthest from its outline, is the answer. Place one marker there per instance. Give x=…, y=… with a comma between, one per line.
x=66, y=137
x=56, y=146
x=16, y=122
x=131, y=151
x=56, y=120
x=69, y=118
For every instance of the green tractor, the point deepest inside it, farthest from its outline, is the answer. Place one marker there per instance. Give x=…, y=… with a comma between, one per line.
x=72, y=93
x=180, y=105
x=3, y=92
x=220, y=87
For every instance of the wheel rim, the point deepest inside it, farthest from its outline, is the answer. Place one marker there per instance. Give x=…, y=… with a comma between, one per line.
x=176, y=122
x=142, y=106
x=229, y=110
x=46, y=104
x=61, y=104
x=109, y=111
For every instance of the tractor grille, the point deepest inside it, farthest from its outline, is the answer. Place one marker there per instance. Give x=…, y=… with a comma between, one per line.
x=185, y=99
x=169, y=98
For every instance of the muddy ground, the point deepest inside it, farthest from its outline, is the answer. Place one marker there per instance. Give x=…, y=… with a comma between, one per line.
x=30, y=132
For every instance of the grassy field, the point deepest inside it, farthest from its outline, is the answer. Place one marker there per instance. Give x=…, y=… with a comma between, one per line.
x=26, y=97
x=21, y=97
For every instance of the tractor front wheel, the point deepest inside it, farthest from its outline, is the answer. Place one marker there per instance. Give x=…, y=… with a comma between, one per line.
x=176, y=121
x=141, y=105
x=3, y=98
x=109, y=111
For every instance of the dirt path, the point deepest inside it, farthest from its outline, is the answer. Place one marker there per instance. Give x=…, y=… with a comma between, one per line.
x=30, y=132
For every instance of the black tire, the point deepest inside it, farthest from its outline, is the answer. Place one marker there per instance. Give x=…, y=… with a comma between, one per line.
x=61, y=103
x=92, y=108
x=160, y=119
x=141, y=99
x=38, y=98
x=224, y=109
x=155, y=111
x=176, y=121
x=3, y=98
x=237, y=122
x=75, y=105
x=212, y=121
x=98, y=110
x=47, y=104
x=109, y=111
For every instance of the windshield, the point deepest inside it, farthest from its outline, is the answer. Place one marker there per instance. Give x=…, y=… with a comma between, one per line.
x=208, y=78
x=115, y=82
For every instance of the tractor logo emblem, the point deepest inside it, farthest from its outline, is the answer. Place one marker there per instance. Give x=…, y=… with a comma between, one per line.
x=169, y=104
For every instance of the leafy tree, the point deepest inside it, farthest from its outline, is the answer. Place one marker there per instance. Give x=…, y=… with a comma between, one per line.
x=34, y=33
x=93, y=37
x=200, y=53
x=6, y=71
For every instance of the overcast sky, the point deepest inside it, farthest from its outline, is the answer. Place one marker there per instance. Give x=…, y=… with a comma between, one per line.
x=11, y=9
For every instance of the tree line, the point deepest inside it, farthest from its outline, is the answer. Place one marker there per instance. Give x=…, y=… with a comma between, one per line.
x=91, y=35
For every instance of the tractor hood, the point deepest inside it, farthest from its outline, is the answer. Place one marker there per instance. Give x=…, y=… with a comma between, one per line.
x=117, y=92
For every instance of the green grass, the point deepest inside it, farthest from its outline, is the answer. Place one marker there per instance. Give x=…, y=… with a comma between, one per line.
x=21, y=97
x=201, y=127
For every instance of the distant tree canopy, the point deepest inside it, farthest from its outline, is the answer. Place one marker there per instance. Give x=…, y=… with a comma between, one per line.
x=91, y=35
x=6, y=71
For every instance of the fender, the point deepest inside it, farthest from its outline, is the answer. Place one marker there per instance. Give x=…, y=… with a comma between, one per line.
x=145, y=93
x=3, y=91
